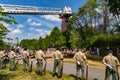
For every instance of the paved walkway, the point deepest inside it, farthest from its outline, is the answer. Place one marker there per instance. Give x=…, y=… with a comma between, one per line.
x=94, y=72
x=70, y=68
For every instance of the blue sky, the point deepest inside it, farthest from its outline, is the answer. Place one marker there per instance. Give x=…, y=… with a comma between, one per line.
x=34, y=26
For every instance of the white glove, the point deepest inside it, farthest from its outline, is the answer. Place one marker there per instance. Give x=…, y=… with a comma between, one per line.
x=32, y=59
x=87, y=64
x=109, y=66
x=35, y=62
x=78, y=62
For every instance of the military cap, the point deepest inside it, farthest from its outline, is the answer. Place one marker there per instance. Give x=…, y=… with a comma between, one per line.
x=109, y=51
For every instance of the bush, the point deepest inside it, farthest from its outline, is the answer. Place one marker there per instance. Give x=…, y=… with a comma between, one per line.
x=103, y=41
x=94, y=57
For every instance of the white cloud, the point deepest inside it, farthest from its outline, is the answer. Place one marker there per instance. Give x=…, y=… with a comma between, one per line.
x=32, y=23
x=33, y=36
x=31, y=28
x=30, y=34
x=20, y=26
x=29, y=20
x=43, y=32
x=35, y=24
x=52, y=18
x=46, y=23
x=16, y=32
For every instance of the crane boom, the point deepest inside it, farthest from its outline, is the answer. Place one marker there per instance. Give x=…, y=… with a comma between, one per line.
x=20, y=9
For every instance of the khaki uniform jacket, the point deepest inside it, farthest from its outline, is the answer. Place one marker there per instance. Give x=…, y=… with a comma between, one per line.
x=57, y=55
x=79, y=56
x=25, y=54
x=39, y=55
x=12, y=54
x=2, y=54
x=110, y=60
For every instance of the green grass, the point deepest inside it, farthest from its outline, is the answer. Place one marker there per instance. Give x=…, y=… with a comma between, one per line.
x=5, y=74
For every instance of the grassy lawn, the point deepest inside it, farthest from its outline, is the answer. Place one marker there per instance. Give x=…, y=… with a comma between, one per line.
x=5, y=74
x=90, y=62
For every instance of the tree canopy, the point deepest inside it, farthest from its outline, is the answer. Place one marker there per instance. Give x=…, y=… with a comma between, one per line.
x=5, y=18
x=114, y=6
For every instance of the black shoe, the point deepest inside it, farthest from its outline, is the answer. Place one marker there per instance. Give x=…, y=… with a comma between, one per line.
x=37, y=72
x=2, y=68
x=40, y=73
x=53, y=75
x=25, y=70
x=59, y=76
x=77, y=78
x=11, y=69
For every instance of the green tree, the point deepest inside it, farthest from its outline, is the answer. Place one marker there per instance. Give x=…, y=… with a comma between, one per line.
x=44, y=43
x=114, y=7
x=40, y=43
x=84, y=19
x=74, y=38
x=54, y=37
x=31, y=44
x=92, y=19
x=5, y=18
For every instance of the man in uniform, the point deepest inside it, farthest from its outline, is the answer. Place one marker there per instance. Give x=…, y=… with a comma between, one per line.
x=25, y=55
x=111, y=63
x=58, y=58
x=80, y=59
x=2, y=55
x=12, y=56
x=39, y=56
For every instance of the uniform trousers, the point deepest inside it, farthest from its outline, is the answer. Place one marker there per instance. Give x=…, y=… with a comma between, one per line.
x=80, y=67
x=1, y=63
x=57, y=63
x=26, y=64
x=12, y=63
x=111, y=71
x=39, y=66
